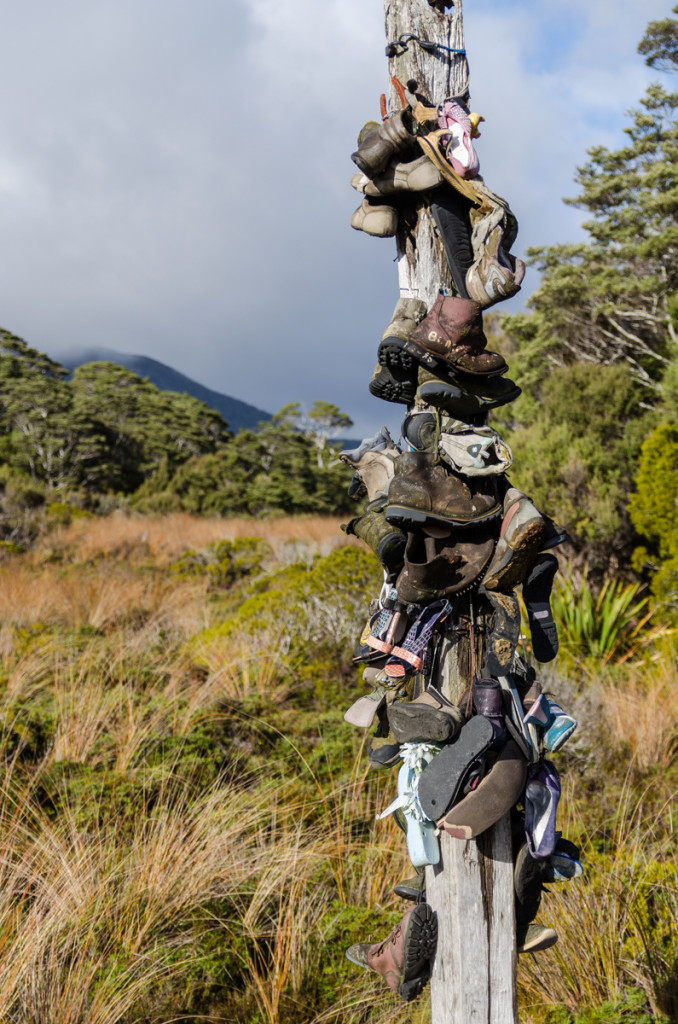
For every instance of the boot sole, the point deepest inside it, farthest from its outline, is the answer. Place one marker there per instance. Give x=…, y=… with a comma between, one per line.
x=420, y=946
x=398, y=515
x=517, y=562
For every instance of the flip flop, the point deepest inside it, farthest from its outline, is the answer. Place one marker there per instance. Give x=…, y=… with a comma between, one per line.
x=422, y=842
x=442, y=779
x=495, y=795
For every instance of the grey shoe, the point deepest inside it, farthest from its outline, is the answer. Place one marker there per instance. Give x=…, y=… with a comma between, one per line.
x=431, y=718
x=374, y=461
x=535, y=938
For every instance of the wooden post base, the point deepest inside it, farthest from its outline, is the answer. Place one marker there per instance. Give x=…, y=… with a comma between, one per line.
x=471, y=890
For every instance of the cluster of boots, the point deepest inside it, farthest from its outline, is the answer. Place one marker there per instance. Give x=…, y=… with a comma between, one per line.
x=455, y=540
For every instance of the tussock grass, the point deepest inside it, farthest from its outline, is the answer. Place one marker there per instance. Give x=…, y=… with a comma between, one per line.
x=163, y=538
x=187, y=828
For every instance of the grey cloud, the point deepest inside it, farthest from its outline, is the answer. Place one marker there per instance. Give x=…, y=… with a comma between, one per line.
x=174, y=176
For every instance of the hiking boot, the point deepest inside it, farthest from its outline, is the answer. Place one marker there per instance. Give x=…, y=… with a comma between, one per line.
x=384, y=752
x=496, y=275
x=386, y=540
x=440, y=567
x=417, y=175
x=431, y=718
x=393, y=384
x=413, y=889
x=452, y=333
x=535, y=938
x=422, y=491
x=375, y=218
x=406, y=315
x=462, y=394
x=374, y=459
x=403, y=958
x=379, y=143
x=520, y=537
x=504, y=635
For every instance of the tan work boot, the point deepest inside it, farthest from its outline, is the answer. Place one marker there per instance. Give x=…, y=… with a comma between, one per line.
x=375, y=218
x=416, y=176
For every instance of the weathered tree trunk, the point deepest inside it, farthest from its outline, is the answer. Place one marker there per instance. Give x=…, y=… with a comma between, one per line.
x=473, y=979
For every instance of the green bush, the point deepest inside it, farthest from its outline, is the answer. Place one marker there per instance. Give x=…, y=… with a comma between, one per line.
x=226, y=561
x=654, y=511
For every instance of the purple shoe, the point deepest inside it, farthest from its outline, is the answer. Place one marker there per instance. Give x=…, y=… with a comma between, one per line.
x=542, y=794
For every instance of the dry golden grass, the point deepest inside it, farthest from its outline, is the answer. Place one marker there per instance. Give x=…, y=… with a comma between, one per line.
x=97, y=918
x=163, y=538
x=640, y=710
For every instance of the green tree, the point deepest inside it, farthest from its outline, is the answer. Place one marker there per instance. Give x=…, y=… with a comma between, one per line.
x=611, y=299
x=654, y=511
x=598, y=351
x=659, y=46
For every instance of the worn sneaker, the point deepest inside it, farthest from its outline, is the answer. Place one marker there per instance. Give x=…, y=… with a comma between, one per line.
x=457, y=143
x=374, y=460
x=463, y=395
x=375, y=218
x=417, y=175
x=520, y=537
x=431, y=718
x=414, y=888
x=536, y=937
x=495, y=276
x=403, y=958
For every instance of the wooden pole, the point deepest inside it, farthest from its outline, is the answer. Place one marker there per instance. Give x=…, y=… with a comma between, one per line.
x=474, y=973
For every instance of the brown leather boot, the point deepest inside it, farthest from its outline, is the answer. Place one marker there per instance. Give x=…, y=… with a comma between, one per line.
x=422, y=492
x=452, y=332
x=440, y=567
x=403, y=958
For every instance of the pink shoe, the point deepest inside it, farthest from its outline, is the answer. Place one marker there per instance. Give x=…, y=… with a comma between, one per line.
x=458, y=145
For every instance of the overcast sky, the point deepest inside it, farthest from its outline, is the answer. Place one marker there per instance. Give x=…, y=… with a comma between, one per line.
x=174, y=173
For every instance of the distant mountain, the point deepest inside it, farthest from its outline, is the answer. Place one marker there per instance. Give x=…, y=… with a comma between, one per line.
x=237, y=414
